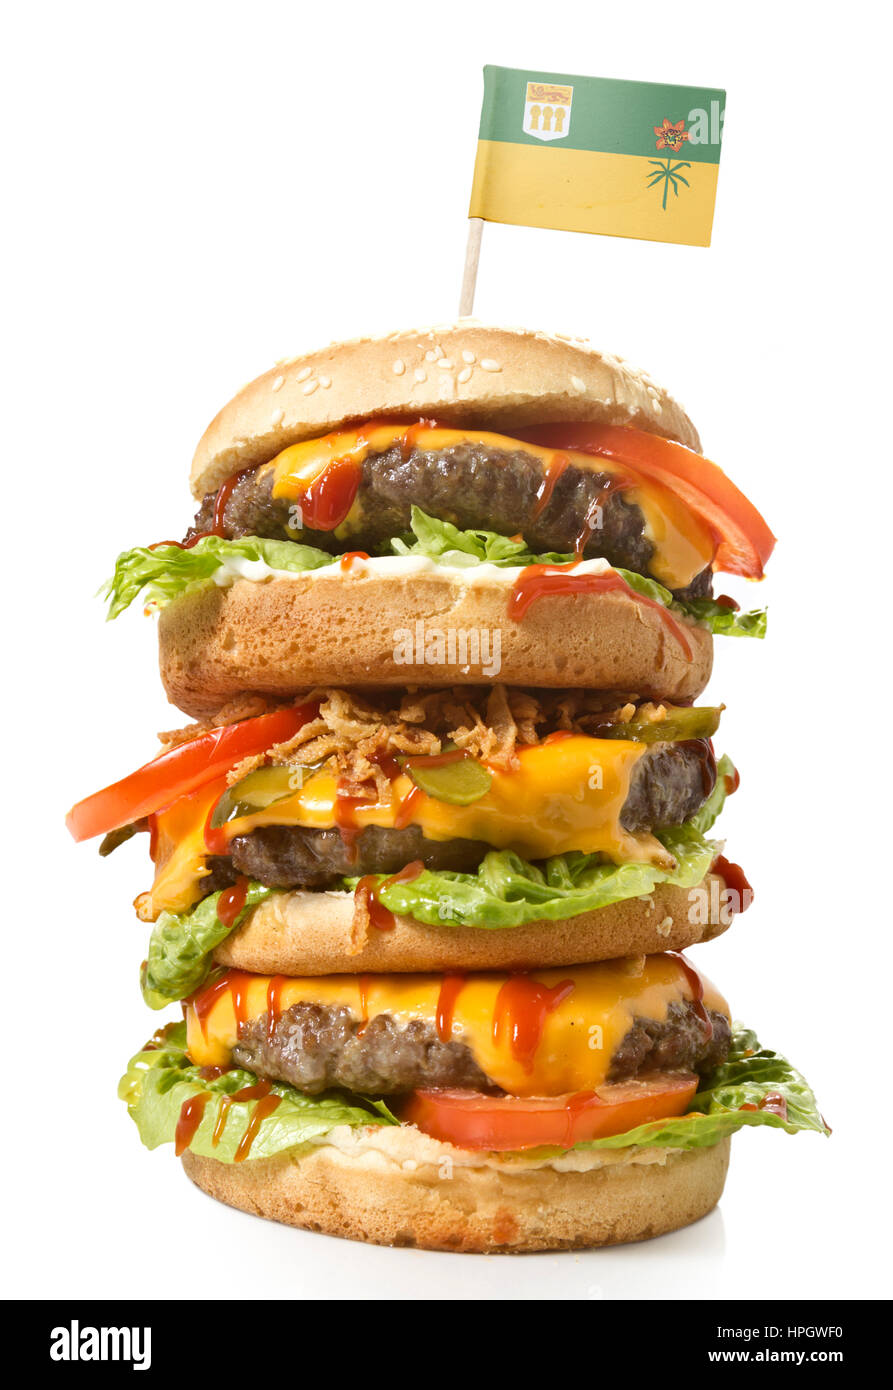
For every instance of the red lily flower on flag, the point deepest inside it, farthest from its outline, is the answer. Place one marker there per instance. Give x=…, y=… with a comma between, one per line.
x=670, y=136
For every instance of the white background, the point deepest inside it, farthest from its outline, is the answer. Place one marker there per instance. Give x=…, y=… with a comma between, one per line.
x=194, y=190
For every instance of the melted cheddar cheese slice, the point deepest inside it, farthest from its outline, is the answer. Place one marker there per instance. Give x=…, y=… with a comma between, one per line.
x=682, y=544
x=546, y=1033
x=565, y=795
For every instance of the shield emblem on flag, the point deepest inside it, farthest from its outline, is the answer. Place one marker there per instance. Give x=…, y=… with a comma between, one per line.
x=547, y=110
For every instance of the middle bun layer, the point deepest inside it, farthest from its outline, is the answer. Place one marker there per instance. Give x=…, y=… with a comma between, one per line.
x=304, y=933
x=418, y=626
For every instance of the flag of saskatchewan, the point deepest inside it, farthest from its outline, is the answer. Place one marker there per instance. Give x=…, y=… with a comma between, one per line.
x=591, y=154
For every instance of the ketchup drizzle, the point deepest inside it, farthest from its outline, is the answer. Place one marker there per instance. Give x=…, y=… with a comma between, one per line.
x=232, y=901
x=521, y=1008
x=451, y=987
x=541, y=581
x=191, y=1112
x=697, y=988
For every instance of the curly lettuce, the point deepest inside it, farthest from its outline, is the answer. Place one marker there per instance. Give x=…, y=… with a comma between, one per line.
x=160, y=1078
x=753, y=1087
x=181, y=945
x=168, y=571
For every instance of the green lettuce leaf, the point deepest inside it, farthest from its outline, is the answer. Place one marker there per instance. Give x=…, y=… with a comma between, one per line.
x=507, y=891
x=447, y=545
x=160, y=1077
x=750, y=1076
x=181, y=944
x=168, y=572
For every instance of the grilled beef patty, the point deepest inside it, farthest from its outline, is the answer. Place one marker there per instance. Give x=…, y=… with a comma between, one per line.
x=315, y=1048
x=669, y=783
x=470, y=485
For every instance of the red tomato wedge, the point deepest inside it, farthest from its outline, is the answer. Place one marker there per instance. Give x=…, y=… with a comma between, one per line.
x=475, y=1121
x=743, y=539
x=182, y=770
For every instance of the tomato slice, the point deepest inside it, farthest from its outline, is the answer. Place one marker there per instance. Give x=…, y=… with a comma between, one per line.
x=475, y=1121
x=183, y=770
x=743, y=539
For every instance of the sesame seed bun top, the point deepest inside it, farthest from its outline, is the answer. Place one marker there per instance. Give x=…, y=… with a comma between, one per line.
x=464, y=372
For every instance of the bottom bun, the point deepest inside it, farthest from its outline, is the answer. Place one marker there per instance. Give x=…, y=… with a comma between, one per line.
x=471, y=1207
x=303, y=933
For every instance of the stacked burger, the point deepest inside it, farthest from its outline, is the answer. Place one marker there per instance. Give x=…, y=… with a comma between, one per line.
x=428, y=857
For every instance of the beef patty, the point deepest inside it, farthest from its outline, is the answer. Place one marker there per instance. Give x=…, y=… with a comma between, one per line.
x=315, y=1047
x=668, y=785
x=470, y=485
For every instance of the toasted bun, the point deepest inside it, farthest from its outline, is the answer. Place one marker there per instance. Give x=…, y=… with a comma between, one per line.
x=282, y=636
x=304, y=933
x=499, y=377
x=442, y=1205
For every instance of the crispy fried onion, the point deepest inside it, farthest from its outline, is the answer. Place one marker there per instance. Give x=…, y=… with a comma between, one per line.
x=356, y=735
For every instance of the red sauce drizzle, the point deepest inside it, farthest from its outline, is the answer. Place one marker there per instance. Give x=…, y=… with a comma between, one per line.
x=411, y=433
x=776, y=1104
x=541, y=581
x=235, y=983
x=232, y=901
x=224, y=493
x=697, y=988
x=330, y=496
x=573, y=1107
x=554, y=469
x=590, y=523
x=212, y=1073
x=220, y=1122
x=274, y=1003
x=264, y=1107
x=345, y=818
x=368, y=890
x=349, y=556
x=363, y=983
x=733, y=782
x=405, y=809
x=522, y=1006
x=736, y=880
x=191, y=1112
x=450, y=988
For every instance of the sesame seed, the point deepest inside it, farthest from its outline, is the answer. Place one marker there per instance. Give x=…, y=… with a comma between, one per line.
x=325, y=382
x=430, y=355
x=277, y=417
x=438, y=352
x=303, y=374
x=464, y=375
x=399, y=367
x=420, y=374
x=577, y=384
x=278, y=383
x=658, y=408
x=445, y=364
x=468, y=356
x=488, y=365
x=663, y=928
x=310, y=388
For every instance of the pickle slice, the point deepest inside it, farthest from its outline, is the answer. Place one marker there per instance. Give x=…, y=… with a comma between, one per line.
x=258, y=791
x=458, y=782
x=678, y=723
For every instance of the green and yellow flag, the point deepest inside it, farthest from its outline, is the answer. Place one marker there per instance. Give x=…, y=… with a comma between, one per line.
x=591, y=154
